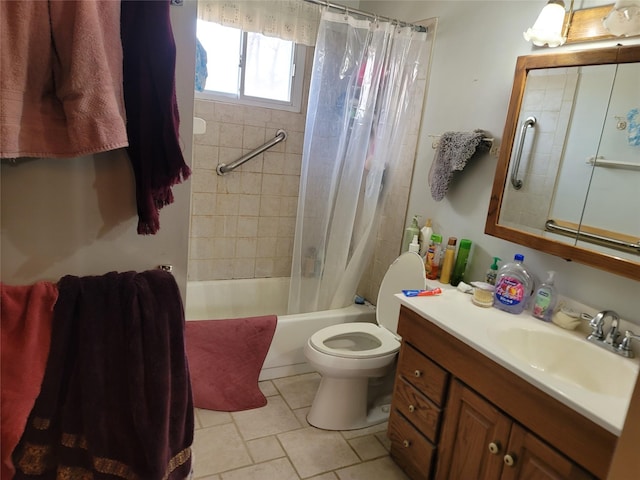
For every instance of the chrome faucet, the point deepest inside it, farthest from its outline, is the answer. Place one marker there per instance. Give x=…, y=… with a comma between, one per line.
x=608, y=341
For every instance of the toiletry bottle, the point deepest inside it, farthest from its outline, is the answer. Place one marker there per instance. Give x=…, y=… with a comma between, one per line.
x=545, y=300
x=447, y=262
x=414, y=246
x=514, y=285
x=461, y=262
x=425, y=237
x=409, y=232
x=492, y=273
x=433, y=261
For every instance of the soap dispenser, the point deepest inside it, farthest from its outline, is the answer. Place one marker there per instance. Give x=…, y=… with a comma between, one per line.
x=411, y=231
x=545, y=300
x=492, y=273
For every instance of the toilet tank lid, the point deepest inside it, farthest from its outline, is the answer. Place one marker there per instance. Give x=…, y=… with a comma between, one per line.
x=405, y=273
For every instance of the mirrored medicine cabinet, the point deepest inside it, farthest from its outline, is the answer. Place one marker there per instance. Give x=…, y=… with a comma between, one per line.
x=568, y=177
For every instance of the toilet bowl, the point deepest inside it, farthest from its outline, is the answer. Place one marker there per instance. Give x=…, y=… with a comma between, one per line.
x=352, y=357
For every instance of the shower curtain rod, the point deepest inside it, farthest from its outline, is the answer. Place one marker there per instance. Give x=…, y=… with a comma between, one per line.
x=345, y=9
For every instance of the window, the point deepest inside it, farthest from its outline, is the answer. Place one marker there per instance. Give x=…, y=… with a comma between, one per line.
x=250, y=68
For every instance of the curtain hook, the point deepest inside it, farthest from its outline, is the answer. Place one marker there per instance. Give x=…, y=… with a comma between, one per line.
x=346, y=13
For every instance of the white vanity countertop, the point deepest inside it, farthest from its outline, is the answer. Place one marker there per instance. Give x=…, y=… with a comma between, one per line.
x=479, y=327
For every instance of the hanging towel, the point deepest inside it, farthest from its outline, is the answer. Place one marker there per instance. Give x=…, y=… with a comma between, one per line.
x=60, y=78
x=152, y=111
x=26, y=313
x=453, y=152
x=116, y=399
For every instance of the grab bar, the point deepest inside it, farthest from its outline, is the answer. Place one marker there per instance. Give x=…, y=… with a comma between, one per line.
x=529, y=122
x=552, y=226
x=223, y=168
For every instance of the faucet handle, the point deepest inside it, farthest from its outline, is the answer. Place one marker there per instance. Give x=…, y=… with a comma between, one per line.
x=596, y=323
x=625, y=345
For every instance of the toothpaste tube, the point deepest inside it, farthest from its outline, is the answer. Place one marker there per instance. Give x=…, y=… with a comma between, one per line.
x=422, y=293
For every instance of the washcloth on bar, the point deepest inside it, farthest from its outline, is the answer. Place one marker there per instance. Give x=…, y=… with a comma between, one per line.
x=116, y=397
x=453, y=152
x=26, y=313
x=60, y=78
x=149, y=54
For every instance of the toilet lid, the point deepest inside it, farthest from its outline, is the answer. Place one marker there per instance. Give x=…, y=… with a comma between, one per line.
x=354, y=340
x=405, y=273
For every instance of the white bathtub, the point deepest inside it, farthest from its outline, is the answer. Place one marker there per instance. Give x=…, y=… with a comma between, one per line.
x=222, y=299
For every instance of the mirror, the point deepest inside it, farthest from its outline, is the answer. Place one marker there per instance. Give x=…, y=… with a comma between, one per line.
x=569, y=167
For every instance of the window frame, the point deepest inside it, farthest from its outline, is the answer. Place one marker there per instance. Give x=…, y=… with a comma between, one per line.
x=297, y=84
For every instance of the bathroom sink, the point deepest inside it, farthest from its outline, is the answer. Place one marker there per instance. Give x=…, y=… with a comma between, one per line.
x=571, y=359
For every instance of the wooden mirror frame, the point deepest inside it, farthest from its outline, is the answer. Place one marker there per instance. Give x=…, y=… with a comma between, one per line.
x=603, y=261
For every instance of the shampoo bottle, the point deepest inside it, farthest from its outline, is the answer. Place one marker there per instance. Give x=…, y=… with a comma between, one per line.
x=409, y=232
x=461, y=262
x=433, y=261
x=425, y=237
x=546, y=299
x=447, y=262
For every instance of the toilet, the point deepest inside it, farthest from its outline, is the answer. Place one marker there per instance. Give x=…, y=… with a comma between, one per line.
x=357, y=360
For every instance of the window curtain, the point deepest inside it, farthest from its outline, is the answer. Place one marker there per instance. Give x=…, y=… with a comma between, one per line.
x=293, y=20
x=362, y=88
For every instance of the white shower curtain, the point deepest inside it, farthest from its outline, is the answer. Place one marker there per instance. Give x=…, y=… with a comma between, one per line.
x=361, y=88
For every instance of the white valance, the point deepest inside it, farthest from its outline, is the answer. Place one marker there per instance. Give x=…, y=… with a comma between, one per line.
x=293, y=20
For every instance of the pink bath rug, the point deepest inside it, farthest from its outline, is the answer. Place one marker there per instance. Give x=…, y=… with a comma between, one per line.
x=225, y=359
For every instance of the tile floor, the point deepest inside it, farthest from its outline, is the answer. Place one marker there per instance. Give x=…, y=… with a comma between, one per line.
x=275, y=442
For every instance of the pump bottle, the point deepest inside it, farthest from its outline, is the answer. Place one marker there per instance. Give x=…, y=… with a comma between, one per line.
x=409, y=232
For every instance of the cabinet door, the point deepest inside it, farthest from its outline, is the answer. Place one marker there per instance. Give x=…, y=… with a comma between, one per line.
x=474, y=437
x=528, y=457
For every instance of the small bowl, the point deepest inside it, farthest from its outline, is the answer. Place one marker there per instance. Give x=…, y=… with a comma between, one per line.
x=482, y=294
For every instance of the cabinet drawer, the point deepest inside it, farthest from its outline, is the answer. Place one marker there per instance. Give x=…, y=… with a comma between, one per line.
x=423, y=374
x=409, y=449
x=417, y=408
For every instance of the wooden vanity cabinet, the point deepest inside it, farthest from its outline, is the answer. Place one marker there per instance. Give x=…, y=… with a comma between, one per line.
x=456, y=414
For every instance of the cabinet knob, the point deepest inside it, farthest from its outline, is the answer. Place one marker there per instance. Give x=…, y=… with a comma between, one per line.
x=406, y=443
x=417, y=373
x=494, y=447
x=509, y=460
x=412, y=408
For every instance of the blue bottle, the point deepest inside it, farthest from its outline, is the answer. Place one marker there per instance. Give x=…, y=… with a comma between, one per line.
x=514, y=285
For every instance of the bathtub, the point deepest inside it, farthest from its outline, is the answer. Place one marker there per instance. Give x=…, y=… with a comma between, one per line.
x=223, y=299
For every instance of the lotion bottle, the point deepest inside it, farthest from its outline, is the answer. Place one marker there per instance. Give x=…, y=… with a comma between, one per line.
x=409, y=232
x=492, y=272
x=425, y=237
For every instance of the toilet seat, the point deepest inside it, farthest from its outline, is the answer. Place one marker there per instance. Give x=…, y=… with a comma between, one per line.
x=368, y=340
x=355, y=340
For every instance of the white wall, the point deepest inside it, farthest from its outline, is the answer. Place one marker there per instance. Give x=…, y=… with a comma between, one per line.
x=78, y=216
x=474, y=57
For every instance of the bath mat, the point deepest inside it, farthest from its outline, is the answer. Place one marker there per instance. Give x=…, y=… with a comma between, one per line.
x=225, y=359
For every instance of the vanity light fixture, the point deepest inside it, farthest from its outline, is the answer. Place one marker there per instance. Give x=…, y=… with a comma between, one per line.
x=550, y=28
x=624, y=18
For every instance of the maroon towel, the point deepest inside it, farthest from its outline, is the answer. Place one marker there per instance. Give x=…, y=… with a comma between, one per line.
x=149, y=63
x=116, y=400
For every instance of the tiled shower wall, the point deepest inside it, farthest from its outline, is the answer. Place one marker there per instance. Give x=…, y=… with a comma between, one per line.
x=243, y=223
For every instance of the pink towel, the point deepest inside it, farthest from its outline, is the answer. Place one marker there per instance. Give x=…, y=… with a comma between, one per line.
x=60, y=78
x=26, y=313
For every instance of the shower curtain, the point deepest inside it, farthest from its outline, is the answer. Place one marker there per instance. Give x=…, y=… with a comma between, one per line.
x=362, y=85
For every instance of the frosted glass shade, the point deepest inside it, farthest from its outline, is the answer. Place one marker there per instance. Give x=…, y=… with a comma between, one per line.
x=624, y=18
x=548, y=27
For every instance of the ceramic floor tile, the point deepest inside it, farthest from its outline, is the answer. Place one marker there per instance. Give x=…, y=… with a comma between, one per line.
x=217, y=449
x=380, y=469
x=349, y=434
x=384, y=439
x=267, y=388
x=266, y=448
x=313, y=451
x=298, y=390
x=301, y=415
x=210, y=418
x=279, y=469
x=271, y=419
x=368, y=447
x=325, y=476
